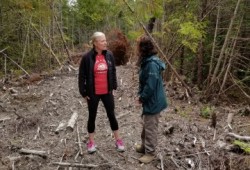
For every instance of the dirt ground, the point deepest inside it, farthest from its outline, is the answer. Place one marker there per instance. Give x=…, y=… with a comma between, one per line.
x=29, y=116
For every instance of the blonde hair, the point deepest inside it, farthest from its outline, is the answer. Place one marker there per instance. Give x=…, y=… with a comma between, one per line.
x=95, y=36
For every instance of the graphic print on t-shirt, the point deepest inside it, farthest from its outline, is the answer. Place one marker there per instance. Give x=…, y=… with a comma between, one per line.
x=100, y=70
x=101, y=66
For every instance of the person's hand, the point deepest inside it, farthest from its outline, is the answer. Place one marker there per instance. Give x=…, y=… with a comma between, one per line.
x=138, y=103
x=113, y=93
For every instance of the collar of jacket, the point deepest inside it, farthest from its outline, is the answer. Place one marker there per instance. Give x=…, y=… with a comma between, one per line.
x=147, y=59
x=94, y=53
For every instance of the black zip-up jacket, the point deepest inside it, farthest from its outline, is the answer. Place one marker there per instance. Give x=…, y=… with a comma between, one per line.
x=86, y=73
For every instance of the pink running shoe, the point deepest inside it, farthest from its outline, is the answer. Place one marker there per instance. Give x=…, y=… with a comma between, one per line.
x=119, y=145
x=91, y=147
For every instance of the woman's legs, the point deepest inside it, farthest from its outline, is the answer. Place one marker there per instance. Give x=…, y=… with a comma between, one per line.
x=92, y=107
x=108, y=102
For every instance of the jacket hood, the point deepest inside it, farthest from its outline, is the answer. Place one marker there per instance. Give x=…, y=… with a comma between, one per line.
x=155, y=59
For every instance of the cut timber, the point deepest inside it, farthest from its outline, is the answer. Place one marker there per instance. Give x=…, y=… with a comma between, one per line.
x=72, y=122
x=230, y=119
x=37, y=133
x=66, y=164
x=79, y=140
x=60, y=127
x=34, y=152
x=122, y=115
x=60, y=161
x=169, y=130
x=247, y=138
x=5, y=118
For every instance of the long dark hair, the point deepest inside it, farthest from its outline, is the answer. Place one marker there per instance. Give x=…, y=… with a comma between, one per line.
x=145, y=48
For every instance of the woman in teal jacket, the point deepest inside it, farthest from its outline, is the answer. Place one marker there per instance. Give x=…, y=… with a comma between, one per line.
x=151, y=96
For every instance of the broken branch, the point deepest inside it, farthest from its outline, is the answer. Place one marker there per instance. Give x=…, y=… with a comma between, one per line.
x=72, y=121
x=34, y=152
x=229, y=120
x=66, y=164
x=5, y=55
x=239, y=137
x=5, y=118
x=37, y=133
x=60, y=127
x=79, y=140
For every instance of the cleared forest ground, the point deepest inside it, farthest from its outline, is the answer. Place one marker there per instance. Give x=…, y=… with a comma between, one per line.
x=29, y=116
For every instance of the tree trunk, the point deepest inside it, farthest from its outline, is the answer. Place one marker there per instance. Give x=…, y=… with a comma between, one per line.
x=182, y=60
x=201, y=47
x=214, y=44
x=231, y=55
x=216, y=70
x=200, y=63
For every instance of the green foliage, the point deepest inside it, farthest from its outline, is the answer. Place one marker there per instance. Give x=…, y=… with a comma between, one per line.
x=206, y=111
x=243, y=145
x=192, y=33
x=178, y=23
x=17, y=32
x=133, y=35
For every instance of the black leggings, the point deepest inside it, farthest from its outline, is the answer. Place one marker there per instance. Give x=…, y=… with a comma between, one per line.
x=108, y=102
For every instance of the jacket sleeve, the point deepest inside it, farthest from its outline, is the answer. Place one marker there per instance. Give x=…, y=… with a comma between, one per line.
x=82, y=77
x=114, y=78
x=152, y=76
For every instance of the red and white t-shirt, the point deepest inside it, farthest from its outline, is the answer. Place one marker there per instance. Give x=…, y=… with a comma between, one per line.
x=101, y=75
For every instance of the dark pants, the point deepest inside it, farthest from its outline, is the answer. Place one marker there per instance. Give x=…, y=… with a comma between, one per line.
x=150, y=132
x=108, y=102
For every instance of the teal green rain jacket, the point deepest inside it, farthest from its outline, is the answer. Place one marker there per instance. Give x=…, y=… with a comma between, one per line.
x=151, y=91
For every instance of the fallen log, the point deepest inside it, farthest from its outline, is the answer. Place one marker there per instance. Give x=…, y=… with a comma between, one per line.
x=162, y=161
x=5, y=118
x=5, y=55
x=60, y=127
x=169, y=130
x=247, y=138
x=37, y=133
x=122, y=115
x=203, y=144
x=79, y=140
x=60, y=161
x=67, y=164
x=34, y=152
x=243, y=125
x=229, y=120
x=72, y=122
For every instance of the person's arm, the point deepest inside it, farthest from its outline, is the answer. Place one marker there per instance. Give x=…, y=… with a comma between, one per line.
x=114, y=78
x=82, y=77
x=152, y=76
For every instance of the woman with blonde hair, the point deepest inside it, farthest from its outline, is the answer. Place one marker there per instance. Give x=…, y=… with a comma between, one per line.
x=97, y=80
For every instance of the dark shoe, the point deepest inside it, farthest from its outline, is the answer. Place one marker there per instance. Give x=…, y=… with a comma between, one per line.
x=147, y=158
x=139, y=148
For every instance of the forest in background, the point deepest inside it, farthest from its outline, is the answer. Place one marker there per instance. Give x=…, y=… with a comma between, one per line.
x=205, y=42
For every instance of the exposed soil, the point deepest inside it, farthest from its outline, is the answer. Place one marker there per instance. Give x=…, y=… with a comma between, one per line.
x=186, y=140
